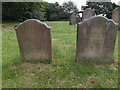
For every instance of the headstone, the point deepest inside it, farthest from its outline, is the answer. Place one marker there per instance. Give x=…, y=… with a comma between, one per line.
x=96, y=41
x=116, y=16
x=87, y=13
x=72, y=19
x=34, y=39
x=78, y=19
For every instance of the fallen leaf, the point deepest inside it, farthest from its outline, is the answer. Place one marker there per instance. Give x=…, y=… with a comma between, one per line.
x=93, y=81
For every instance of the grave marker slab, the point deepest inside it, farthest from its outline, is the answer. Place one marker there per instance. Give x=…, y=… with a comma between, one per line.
x=96, y=41
x=72, y=19
x=34, y=39
x=116, y=16
x=87, y=13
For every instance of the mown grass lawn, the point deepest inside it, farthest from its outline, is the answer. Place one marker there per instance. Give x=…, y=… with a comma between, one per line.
x=62, y=72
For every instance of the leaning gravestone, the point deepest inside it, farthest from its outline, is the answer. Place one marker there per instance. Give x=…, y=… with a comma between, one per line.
x=72, y=19
x=96, y=41
x=87, y=13
x=34, y=39
x=116, y=16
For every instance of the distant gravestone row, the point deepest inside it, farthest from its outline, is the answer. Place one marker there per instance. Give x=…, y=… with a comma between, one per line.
x=74, y=19
x=87, y=13
x=95, y=41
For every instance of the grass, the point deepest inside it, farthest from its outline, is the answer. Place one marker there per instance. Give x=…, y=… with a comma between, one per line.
x=63, y=72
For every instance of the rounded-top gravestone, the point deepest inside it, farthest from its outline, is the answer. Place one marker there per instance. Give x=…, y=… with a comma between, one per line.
x=116, y=16
x=87, y=13
x=96, y=41
x=34, y=39
x=72, y=20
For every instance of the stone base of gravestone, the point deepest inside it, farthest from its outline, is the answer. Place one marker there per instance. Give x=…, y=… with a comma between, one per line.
x=34, y=39
x=95, y=61
x=96, y=41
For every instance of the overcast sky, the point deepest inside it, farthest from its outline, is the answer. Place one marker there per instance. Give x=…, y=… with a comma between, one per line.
x=79, y=3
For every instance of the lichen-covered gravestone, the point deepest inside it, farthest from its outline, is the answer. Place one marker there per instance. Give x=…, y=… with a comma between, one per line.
x=116, y=16
x=96, y=38
x=72, y=19
x=87, y=13
x=34, y=39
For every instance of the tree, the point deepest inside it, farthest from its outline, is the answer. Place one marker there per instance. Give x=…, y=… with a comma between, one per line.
x=70, y=7
x=104, y=8
x=38, y=10
x=51, y=11
x=20, y=11
x=54, y=11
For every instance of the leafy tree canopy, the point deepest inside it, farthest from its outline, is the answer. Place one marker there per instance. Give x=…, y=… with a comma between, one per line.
x=70, y=7
x=104, y=8
x=20, y=11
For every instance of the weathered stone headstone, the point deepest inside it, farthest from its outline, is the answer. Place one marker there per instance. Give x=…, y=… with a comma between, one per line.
x=78, y=19
x=96, y=41
x=72, y=19
x=34, y=39
x=87, y=13
x=116, y=16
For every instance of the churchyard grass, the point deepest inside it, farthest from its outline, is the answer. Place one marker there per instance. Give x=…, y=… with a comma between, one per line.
x=63, y=71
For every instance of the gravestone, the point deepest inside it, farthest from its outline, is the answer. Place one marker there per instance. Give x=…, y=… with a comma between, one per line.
x=78, y=19
x=87, y=13
x=116, y=16
x=34, y=39
x=96, y=41
x=72, y=19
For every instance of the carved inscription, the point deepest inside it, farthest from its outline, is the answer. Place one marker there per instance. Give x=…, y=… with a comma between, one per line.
x=95, y=41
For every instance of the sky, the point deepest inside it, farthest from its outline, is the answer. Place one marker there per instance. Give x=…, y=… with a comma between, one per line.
x=79, y=3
